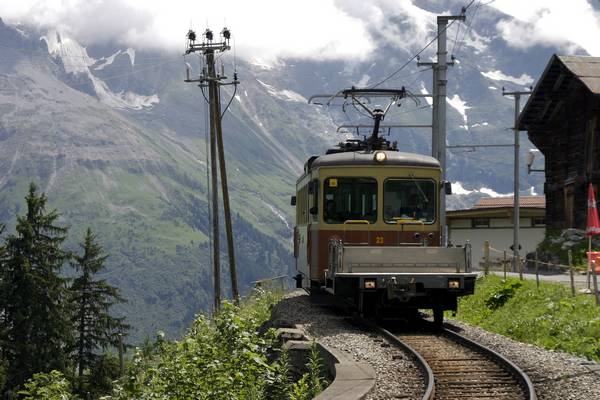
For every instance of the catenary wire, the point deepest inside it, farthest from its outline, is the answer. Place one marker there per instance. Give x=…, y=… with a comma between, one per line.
x=419, y=52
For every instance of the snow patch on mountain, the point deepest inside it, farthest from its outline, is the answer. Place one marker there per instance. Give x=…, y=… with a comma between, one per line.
x=278, y=213
x=424, y=91
x=287, y=95
x=459, y=105
x=492, y=193
x=131, y=53
x=459, y=189
x=498, y=75
x=74, y=57
x=106, y=61
x=76, y=61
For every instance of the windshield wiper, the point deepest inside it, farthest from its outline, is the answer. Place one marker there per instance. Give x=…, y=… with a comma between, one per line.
x=419, y=187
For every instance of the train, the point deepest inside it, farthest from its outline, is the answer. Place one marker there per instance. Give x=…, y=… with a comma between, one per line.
x=367, y=230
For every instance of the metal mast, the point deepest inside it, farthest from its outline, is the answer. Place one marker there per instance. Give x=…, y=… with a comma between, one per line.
x=211, y=79
x=440, y=100
x=516, y=197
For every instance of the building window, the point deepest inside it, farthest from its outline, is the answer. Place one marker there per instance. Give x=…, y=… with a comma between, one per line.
x=538, y=221
x=480, y=222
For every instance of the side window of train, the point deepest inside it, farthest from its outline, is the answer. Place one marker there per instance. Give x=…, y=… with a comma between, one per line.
x=313, y=190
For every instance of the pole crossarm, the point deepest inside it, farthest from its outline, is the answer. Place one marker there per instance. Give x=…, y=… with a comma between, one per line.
x=471, y=146
x=388, y=126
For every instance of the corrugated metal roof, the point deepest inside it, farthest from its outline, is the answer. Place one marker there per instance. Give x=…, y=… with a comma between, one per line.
x=508, y=201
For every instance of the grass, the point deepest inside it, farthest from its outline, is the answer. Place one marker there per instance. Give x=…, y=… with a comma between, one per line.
x=547, y=316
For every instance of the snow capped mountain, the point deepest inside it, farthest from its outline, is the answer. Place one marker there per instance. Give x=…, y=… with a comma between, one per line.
x=76, y=61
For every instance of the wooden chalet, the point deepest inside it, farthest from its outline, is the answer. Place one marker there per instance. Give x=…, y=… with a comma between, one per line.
x=562, y=118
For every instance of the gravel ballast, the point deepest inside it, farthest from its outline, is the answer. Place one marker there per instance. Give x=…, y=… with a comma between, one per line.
x=555, y=375
x=397, y=376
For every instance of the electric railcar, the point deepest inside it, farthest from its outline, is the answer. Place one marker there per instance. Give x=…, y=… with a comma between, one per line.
x=368, y=229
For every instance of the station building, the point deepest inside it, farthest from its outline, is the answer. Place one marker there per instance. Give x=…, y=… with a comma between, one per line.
x=491, y=218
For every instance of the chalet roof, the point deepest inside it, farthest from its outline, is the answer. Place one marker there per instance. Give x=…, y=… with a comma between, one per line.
x=557, y=78
x=508, y=201
x=501, y=207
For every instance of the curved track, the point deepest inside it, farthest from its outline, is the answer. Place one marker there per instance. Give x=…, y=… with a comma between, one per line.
x=460, y=367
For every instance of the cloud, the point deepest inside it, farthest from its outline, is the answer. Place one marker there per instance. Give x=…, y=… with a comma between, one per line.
x=399, y=23
x=268, y=29
x=567, y=25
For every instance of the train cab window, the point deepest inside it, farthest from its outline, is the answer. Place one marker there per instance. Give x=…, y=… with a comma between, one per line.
x=413, y=199
x=349, y=199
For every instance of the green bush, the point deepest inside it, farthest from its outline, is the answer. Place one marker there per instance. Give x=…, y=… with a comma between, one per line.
x=547, y=316
x=505, y=293
x=49, y=386
x=222, y=358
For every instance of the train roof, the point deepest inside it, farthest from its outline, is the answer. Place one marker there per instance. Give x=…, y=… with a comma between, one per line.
x=367, y=158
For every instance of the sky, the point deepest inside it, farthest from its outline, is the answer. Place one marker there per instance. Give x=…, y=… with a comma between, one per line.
x=313, y=29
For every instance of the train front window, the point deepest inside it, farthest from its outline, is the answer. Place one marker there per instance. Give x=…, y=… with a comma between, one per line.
x=409, y=199
x=347, y=199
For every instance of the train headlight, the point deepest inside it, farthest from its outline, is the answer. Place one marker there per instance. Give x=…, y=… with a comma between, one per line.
x=453, y=283
x=370, y=283
x=380, y=156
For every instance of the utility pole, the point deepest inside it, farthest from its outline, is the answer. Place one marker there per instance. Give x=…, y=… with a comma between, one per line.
x=516, y=203
x=211, y=79
x=438, y=134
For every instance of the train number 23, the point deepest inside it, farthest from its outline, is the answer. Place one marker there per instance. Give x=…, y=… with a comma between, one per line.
x=378, y=239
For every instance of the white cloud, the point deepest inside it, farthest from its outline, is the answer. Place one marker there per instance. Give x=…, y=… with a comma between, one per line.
x=564, y=24
x=316, y=29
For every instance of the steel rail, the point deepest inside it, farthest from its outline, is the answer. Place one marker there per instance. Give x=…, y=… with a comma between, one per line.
x=511, y=367
x=508, y=366
x=421, y=363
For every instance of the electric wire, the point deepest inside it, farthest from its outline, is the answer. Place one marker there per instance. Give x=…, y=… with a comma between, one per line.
x=420, y=51
x=230, y=100
x=469, y=25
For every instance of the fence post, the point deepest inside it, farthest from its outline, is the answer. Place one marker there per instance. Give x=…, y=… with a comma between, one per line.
x=537, y=275
x=505, y=264
x=571, y=273
x=121, y=364
x=486, y=256
x=520, y=264
x=594, y=277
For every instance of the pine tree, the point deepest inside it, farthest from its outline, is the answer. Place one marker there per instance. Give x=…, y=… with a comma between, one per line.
x=95, y=328
x=33, y=296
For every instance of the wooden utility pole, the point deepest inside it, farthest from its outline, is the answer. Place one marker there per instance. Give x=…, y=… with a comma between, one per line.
x=211, y=79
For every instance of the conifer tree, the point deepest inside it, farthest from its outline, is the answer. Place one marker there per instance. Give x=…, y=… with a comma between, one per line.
x=33, y=300
x=95, y=328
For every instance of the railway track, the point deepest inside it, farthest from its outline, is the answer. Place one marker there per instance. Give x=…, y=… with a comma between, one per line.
x=455, y=367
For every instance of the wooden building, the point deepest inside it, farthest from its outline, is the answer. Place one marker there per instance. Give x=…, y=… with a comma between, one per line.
x=562, y=118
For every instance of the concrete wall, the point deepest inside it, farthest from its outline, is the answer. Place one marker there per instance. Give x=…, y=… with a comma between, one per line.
x=500, y=235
